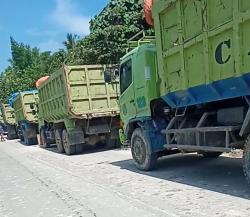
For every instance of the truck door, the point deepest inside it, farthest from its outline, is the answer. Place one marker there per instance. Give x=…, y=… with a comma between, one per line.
x=127, y=97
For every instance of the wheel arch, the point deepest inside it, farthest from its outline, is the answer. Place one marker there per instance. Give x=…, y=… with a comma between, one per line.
x=131, y=126
x=157, y=107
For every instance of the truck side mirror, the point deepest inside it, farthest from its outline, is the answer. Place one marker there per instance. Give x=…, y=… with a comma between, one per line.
x=107, y=76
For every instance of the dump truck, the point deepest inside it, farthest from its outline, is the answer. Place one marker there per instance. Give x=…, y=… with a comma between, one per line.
x=1, y=117
x=2, y=123
x=189, y=89
x=8, y=116
x=77, y=107
x=26, y=115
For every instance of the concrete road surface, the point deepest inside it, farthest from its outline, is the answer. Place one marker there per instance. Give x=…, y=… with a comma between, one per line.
x=105, y=183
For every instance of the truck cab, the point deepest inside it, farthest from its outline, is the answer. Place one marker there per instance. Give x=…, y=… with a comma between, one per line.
x=138, y=83
x=139, y=103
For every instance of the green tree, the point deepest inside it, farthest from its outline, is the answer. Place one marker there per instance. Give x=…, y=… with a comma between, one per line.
x=27, y=65
x=106, y=43
x=70, y=41
x=109, y=33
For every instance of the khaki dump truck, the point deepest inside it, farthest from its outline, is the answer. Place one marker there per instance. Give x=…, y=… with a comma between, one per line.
x=1, y=117
x=77, y=107
x=8, y=117
x=2, y=122
x=25, y=107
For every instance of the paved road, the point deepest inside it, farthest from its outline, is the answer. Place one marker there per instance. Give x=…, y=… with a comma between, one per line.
x=36, y=182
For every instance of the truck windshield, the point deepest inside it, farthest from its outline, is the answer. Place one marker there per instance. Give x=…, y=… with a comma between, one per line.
x=125, y=75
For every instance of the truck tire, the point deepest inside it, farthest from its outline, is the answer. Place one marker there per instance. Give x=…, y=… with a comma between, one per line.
x=148, y=4
x=210, y=154
x=11, y=136
x=44, y=141
x=59, y=142
x=21, y=138
x=143, y=157
x=11, y=132
x=69, y=149
x=79, y=148
x=31, y=141
x=25, y=140
x=110, y=143
x=246, y=159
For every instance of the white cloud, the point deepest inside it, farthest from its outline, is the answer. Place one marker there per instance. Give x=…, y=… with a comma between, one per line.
x=50, y=45
x=65, y=15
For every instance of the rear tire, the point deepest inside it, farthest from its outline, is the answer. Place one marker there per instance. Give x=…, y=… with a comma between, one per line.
x=79, y=148
x=110, y=143
x=208, y=154
x=69, y=149
x=141, y=150
x=59, y=141
x=21, y=138
x=11, y=132
x=246, y=159
x=31, y=141
x=43, y=139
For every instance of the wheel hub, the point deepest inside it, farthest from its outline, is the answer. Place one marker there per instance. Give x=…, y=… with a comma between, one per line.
x=139, y=150
x=65, y=142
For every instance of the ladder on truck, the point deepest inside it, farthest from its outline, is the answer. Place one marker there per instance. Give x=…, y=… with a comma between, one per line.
x=139, y=39
x=195, y=138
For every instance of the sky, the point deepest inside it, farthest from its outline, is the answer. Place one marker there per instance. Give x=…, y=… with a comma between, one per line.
x=43, y=23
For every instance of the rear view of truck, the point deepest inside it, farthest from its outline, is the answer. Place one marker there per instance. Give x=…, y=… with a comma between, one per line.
x=8, y=117
x=77, y=107
x=25, y=107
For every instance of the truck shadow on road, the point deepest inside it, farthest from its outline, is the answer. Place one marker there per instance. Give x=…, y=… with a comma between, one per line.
x=222, y=175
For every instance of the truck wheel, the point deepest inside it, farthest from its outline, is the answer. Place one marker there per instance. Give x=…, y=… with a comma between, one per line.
x=143, y=157
x=44, y=141
x=110, y=143
x=31, y=141
x=210, y=154
x=12, y=136
x=79, y=148
x=246, y=159
x=59, y=142
x=25, y=140
x=69, y=149
x=21, y=138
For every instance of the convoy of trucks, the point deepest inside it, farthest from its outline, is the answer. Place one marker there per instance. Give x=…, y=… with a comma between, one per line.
x=77, y=107
x=185, y=91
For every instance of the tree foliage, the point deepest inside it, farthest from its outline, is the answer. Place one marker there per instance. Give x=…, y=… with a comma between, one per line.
x=27, y=65
x=109, y=33
x=106, y=43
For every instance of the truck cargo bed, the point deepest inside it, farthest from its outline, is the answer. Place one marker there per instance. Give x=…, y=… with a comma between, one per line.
x=203, y=50
x=77, y=92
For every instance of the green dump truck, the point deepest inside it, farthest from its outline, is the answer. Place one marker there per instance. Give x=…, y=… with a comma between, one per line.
x=1, y=117
x=8, y=116
x=77, y=107
x=2, y=122
x=189, y=90
x=25, y=107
